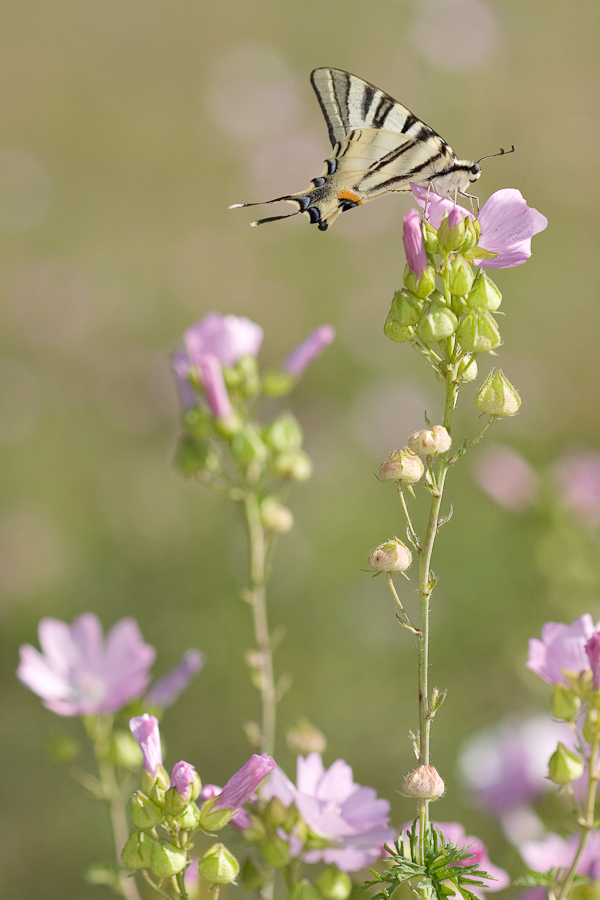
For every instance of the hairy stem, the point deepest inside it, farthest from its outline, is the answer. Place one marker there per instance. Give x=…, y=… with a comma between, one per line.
x=586, y=823
x=257, y=553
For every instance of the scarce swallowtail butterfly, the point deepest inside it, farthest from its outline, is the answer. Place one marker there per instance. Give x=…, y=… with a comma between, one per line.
x=378, y=146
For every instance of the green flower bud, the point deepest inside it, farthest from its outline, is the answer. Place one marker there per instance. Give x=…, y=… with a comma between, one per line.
x=478, y=332
x=192, y=456
x=247, y=447
x=189, y=819
x=436, y=323
x=424, y=286
x=275, y=516
x=392, y=556
x=333, y=884
x=256, y=832
x=295, y=466
x=303, y=890
x=155, y=787
x=198, y=422
x=167, y=859
x=402, y=465
x=564, y=767
x=467, y=370
x=124, y=751
x=451, y=238
x=497, y=396
x=472, y=232
x=425, y=783
x=252, y=877
x=565, y=704
x=406, y=308
x=430, y=442
x=458, y=305
x=62, y=748
x=246, y=369
x=400, y=334
x=275, y=852
x=461, y=276
x=137, y=852
x=430, y=239
x=277, y=384
x=174, y=802
x=214, y=820
x=226, y=428
x=484, y=293
x=219, y=865
x=275, y=812
x=284, y=434
x=145, y=813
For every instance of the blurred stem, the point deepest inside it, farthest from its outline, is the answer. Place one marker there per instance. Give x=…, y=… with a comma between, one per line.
x=425, y=589
x=256, y=596
x=100, y=730
x=586, y=823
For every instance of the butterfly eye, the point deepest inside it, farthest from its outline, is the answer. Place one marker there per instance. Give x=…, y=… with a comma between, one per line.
x=475, y=171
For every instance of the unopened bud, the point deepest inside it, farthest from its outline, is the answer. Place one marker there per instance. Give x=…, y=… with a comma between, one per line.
x=137, y=852
x=406, y=308
x=565, y=704
x=333, y=884
x=275, y=852
x=275, y=812
x=402, y=465
x=430, y=442
x=436, y=323
x=275, y=516
x=219, y=865
x=478, y=332
x=467, y=370
x=247, y=447
x=497, y=396
x=214, y=819
x=422, y=286
x=425, y=783
x=304, y=738
x=484, y=293
x=284, y=434
x=451, y=238
x=392, y=556
x=277, y=384
x=564, y=766
x=189, y=819
x=295, y=466
x=430, y=239
x=461, y=276
x=400, y=334
x=145, y=813
x=194, y=456
x=166, y=859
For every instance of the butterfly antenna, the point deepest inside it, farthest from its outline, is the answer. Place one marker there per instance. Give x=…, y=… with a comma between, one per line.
x=502, y=153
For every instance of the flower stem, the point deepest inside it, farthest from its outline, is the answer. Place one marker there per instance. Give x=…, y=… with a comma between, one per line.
x=256, y=597
x=586, y=823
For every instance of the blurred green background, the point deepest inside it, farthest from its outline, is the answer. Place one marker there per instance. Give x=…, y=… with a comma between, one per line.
x=126, y=129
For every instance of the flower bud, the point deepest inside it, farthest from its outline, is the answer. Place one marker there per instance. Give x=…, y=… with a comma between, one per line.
x=305, y=738
x=402, y=465
x=424, y=783
x=392, y=556
x=166, y=859
x=430, y=239
x=430, y=442
x=295, y=466
x=275, y=812
x=137, y=852
x=406, y=308
x=275, y=516
x=155, y=785
x=145, y=813
x=247, y=448
x=333, y=884
x=303, y=890
x=284, y=434
x=451, y=232
x=245, y=374
x=484, y=293
x=275, y=852
x=472, y=232
x=467, y=370
x=400, y=334
x=436, y=323
x=277, y=384
x=461, y=276
x=193, y=456
x=564, y=766
x=565, y=704
x=478, y=332
x=219, y=865
x=189, y=819
x=214, y=819
x=198, y=422
x=591, y=727
x=497, y=396
x=422, y=286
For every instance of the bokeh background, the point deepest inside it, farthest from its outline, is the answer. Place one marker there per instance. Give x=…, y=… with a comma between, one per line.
x=126, y=129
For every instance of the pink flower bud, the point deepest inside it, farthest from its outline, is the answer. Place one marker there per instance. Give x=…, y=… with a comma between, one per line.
x=392, y=556
x=430, y=442
x=214, y=387
x=592, y=649
x=424, y=783
x=402, y=465
x=309, y=349
x=145, y=731
x=183, y=779
x=414, y=246
x=242, y=785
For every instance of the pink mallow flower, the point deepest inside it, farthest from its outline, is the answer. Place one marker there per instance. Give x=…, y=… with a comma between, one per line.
x=507, y=224
x=166, y=690
x=506, y=477
x=348, y=815
x=228, y=338
x=561, y=649
x=183, y=777
x=82, y=673
x=554, y=852
x=242, y=785
x=414, y=246
x=145, y=731
x=310, y=348
x=578, y=477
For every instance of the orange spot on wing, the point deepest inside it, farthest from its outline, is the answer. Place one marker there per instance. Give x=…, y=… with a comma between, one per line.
x=348, y=195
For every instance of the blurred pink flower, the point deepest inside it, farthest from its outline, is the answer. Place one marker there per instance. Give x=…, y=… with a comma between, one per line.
x=226, y=337
x=414, y=246
x=506, y=477
x=81, y=673
x=507, y=224
x=561, y=649
x=145, y=731
x=310, y=348
x=166, y=690
x=352, y=817
x=554, y=852
x=245, y=781
x=215, y=389
x=182, y=779
x=578, y=476
x=592, y=650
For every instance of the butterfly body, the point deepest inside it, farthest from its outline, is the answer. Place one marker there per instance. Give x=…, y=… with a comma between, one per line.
x=379, y=147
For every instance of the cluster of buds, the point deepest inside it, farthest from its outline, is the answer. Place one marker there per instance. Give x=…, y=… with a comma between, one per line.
x=168, y=811
x=220, y=386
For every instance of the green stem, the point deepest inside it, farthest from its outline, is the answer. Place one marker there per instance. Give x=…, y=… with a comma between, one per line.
x=586, y=824
x=102, y=729
x=256, y=596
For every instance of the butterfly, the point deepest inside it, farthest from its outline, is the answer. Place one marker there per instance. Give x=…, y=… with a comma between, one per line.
x=379, y=146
